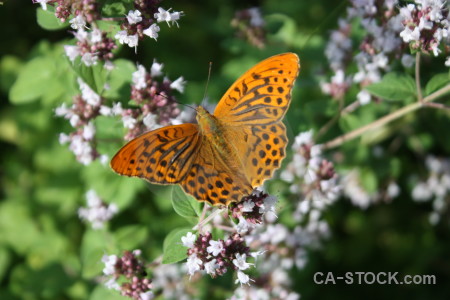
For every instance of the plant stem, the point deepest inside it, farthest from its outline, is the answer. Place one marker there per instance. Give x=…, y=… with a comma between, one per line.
x=208, y=218
x=438, y=106
x=333, y=120
x=384, y=120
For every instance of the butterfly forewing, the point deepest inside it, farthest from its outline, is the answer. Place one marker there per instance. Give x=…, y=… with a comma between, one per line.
x=262, y=95
x=160, y=156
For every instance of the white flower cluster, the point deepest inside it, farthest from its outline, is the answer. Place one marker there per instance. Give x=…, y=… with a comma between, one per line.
x=275, y=264
x=139, y=82
x=97, y=212
x=135, y=17
x=245, y=293
x=215, y=261
x=425, y=17
x=78, y=22
x=436, y=188
x=88, y=95
x=73, y=51
x=316, y=191
x=360, y=197
x=355, y=192
x=256, y=18
x=267, y=210
x=169, y=281
x=80, y=141
x=382, y=40
x=305, y=166
x=128, y=266
x=43, y=3
x=139, y=77
x=109, y=270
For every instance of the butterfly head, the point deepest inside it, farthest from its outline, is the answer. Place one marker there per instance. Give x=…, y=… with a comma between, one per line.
x=205, y=120
x=201, y=112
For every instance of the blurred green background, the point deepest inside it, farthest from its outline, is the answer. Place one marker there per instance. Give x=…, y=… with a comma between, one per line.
x=46, y=252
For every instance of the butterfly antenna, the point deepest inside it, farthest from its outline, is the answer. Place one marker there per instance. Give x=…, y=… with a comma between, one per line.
x=324, y=23
x=165, y=96
x=207, y=82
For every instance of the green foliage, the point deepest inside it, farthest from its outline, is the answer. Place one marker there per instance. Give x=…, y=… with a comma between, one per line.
x=120, y=79
x=113, y=8
x=185, y=205
x=46, y=19
x=31, y=86
x=395, y=87
x=94, y=76
x=436, y=82
x=173, y=249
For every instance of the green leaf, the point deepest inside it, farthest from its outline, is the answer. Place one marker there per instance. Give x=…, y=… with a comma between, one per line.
x=47, y=19
x=5, y=261
x=375, y=136
x=369, y=180
x=94, y=76
x=108, y=26
x=113, y=8
x=16, y=221
x=436, y=82
x=184, y=204
x=32, y=82
x=93, y=247
x=39, y=282
x=10, y=67
x=110, y=186
x=120, y=79
x=55, y=92
x=100, y=292
x=349, y=122
x=282, y=27
x=130, y=237
x=173, y=249
x=395, y=167
x=394, y=86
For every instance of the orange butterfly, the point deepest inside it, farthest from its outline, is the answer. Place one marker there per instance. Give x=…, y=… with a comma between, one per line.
x=223, y=157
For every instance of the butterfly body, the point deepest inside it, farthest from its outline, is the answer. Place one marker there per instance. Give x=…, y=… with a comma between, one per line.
x=217, y=134
x=226, y=154
x=214, y=132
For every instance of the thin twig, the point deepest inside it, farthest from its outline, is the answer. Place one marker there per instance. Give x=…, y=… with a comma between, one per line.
x=437, y=94
x=207, y=219
x=419, y=89
x=223, y=227
x=342, y=112
x=330, y=123
x=351, y=107
x=202, y=217
x=384, y=120
x=437, y=105
x=205, y=208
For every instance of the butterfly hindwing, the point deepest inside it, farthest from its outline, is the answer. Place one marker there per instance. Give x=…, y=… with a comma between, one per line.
x=212, y=180
x=265, y=151
x=260, y=148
